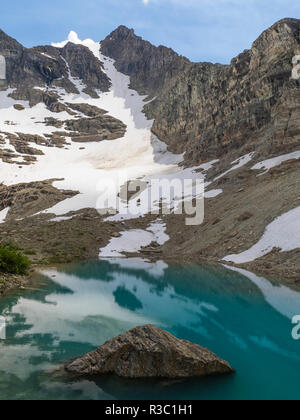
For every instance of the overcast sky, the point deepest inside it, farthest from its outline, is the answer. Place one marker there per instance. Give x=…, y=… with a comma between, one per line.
x=202, y=30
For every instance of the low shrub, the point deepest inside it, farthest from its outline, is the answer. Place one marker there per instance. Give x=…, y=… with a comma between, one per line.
x=12, y=261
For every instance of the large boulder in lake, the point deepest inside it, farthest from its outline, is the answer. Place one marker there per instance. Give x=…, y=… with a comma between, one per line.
x=149, y=352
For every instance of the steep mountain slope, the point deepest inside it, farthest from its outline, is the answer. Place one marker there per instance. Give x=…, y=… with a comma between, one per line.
x=150, y=68
x=59, y=152
x=246, y=114
x=207, y=110
x=81, y=118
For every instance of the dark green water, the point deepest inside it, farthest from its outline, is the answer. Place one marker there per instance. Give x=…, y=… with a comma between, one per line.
x=244, y=319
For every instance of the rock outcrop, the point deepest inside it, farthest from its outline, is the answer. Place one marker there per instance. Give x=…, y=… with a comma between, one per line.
x=149, y=352
x=150, y=68
x=96, y=129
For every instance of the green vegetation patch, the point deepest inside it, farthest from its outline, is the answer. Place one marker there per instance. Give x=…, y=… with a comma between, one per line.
x=12, y=261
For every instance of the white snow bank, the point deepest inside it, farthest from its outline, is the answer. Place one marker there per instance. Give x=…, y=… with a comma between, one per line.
x=281, y=298
x=3, y=214
x=283, y=233
x=61, y=219
x=276, y=161
x=134, y=240
x=239, y=163
x=208, y=165
x=48, y=56
x=213, y=193
x=29, y=120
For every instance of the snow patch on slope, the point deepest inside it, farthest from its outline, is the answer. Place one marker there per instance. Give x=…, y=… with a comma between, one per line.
x=276, y=161
x=239, y=163
x=213, y=193
x=149, y=200
x=29, y=120
x=283, y=233
x=3, y=214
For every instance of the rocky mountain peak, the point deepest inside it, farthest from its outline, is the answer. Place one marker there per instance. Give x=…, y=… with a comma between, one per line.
x=148, y=66
x=121, y=33
x=7, y=42
x=283, y=35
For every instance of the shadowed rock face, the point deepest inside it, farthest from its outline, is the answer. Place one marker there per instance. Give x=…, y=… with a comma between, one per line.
x=208, y=110
x=149, y=352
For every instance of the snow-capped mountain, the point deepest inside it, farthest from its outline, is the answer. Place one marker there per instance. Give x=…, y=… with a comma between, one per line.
x=77, y=115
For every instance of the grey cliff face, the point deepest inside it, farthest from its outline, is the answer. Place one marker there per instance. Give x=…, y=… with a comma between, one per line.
x=149, y=352
x=208, y=110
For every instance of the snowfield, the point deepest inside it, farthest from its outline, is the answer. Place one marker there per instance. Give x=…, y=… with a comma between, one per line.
x=101, y=168
x=237, y=164
x=133, y=240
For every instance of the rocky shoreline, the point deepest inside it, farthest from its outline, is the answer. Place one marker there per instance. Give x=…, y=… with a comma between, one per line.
x=50, y=240
x=275, y=271
x=9, y=282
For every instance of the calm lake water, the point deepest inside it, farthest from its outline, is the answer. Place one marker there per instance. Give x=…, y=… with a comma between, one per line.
x=241, y=317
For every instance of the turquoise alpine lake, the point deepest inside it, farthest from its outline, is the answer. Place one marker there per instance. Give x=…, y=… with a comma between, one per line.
x=243, y=318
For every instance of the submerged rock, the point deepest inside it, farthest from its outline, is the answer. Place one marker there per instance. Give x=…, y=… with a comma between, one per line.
x=149, y=352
